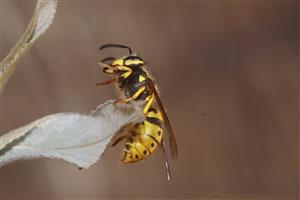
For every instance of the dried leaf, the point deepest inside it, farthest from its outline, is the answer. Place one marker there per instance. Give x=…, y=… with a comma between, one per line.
x=40, y=22
x=75, y=138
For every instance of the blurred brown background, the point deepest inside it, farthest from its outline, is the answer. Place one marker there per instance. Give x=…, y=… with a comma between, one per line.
x=228, y=75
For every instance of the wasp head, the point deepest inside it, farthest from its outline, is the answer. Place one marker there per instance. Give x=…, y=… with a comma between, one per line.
x=120, y=66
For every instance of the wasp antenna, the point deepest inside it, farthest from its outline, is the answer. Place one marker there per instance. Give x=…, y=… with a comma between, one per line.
x=115, y=46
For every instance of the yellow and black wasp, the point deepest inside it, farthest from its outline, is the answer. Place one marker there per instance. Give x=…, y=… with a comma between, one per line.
x=135, y=83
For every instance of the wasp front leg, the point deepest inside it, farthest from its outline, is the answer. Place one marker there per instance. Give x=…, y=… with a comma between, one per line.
x=106, y=82
x=122, y=100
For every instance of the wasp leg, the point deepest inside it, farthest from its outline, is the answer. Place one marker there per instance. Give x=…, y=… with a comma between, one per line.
x=133, y=97
x=123, y=134
x=105, y=82
x=163, y=147
x=120, y=101
x=123, y=100
x=149, y=102
x=119, y=139
x=138, y=92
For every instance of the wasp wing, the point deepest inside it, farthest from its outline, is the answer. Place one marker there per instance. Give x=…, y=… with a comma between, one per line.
x=172, y=140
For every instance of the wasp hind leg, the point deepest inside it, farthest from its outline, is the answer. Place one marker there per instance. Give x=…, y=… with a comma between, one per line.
x=123, y=134
x=119, y=139
x=163, y=148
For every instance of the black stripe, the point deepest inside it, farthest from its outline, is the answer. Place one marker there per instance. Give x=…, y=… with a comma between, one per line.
x=143, y=95
x=154, y=120
x=132, y=58
x=153, y=110
x=153, y=138
x=134, y=65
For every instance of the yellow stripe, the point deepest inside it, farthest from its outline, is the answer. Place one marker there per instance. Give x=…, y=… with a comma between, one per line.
x=133, y=62
x=138, y=92
x=148, y=98
x=156, y=115
x=118, y=62
x=127, y=69
x=148, y=104
x=123, y=68
x=126, y=74
x=153, y=129
x=141, y=78
x=151, y=126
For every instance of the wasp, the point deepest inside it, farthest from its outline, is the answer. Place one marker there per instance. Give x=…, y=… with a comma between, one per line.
x=135, y=83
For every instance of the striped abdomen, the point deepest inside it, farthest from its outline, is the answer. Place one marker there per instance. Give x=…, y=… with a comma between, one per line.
x=145, y=138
